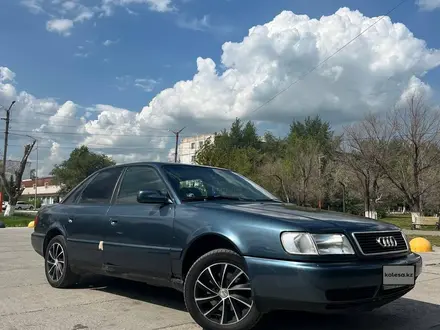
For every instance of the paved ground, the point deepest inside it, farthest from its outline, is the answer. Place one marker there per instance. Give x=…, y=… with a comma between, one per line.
x=28, y=302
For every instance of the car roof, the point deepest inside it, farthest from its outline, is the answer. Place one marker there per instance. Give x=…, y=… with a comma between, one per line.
x=159, y=164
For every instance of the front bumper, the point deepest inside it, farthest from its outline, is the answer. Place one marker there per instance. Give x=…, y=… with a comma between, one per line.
x=324, y=287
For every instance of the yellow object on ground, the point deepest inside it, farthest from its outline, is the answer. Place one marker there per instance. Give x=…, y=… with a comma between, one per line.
x=31, y=224
x=420, y=244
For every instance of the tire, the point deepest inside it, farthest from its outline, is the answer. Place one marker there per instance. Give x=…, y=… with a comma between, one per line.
x=234, y=305
x=58, y=277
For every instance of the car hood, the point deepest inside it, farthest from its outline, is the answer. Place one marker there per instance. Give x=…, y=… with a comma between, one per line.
x=302, y=217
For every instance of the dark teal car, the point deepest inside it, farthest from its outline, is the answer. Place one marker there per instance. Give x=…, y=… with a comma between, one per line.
x=232, y=248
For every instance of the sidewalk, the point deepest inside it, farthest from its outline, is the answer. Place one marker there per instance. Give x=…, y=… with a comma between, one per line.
x=422, y=232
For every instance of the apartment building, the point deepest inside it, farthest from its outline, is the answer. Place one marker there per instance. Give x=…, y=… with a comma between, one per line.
x=189, y=146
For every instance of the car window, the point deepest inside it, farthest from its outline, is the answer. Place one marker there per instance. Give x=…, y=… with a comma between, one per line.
x=138, y=178
x=100, y=190
x=195, y=182
x=71, y=199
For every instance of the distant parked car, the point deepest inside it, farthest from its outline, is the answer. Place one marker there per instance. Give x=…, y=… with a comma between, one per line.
x=231, y=247
x=4, y=205
x=23, y=206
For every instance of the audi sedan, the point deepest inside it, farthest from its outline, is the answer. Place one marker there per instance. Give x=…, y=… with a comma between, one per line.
x=232, y=248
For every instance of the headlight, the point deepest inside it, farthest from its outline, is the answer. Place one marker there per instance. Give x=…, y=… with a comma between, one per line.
x=316, y=244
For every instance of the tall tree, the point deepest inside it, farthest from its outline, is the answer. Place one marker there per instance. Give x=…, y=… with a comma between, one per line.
x=314, y=128
x=235, y=149
x=250, y=137
x=14, y=188
x=81, y=163
x=303, y=162
x=407, y=148
x=357, y=155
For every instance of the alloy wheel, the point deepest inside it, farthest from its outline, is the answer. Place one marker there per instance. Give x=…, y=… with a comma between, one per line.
x=223, y=293
x=56, y=262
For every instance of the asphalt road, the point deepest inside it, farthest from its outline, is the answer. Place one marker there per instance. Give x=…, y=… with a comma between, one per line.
x=28, y=302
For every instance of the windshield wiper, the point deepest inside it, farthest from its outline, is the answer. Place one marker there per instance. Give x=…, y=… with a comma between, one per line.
x=231, y=198
x=268, y=200
x=215, y=197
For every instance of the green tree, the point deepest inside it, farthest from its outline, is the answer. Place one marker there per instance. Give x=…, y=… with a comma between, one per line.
x=273, y=148
x=81, y=163
x=313, y=128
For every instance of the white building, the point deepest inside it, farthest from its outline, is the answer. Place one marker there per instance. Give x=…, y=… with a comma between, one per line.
x=189, y=146
x=44, y=189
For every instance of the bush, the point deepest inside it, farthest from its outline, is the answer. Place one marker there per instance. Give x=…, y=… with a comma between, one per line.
x=382, y=212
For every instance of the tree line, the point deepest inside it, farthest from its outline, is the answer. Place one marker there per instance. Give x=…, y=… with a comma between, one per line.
x=383, y=162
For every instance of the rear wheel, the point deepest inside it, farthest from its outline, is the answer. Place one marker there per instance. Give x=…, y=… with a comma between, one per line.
x=218, y=292
x=56, y=264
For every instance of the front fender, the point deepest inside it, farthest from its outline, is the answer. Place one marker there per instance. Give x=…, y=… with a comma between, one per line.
x=214, y=230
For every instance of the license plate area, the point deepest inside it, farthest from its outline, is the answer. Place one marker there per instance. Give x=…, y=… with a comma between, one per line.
x=398, y=276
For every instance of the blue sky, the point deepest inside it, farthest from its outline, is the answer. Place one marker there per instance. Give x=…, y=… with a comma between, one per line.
x=115, y=56
x=152, y=45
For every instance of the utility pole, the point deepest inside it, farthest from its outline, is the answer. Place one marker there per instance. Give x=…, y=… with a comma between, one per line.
x=177, y=133
x=5, y=150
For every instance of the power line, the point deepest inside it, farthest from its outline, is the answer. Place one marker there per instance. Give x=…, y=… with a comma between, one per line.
x=96, y=146
x=77, y=126
x=87, y=134
x=328, y=57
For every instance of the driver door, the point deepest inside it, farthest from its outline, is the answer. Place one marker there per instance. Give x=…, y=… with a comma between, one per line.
x=139, y=237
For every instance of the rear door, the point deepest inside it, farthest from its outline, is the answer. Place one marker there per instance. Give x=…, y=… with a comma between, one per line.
x=140, y=235
x=87, y=220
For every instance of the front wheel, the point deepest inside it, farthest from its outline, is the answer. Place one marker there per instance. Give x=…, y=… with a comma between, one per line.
x=56, y=264
x=218, y=292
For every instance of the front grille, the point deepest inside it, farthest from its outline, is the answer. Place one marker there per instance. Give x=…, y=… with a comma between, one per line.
x=369, y=245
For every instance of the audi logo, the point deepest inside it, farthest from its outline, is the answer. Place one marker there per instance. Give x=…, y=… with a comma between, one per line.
x=387, y=242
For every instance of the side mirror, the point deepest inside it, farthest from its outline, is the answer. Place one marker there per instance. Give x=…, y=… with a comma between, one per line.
x=152, y=197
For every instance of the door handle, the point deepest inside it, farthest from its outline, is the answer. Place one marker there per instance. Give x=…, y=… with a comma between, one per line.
x=113, y=222
x=70, y=220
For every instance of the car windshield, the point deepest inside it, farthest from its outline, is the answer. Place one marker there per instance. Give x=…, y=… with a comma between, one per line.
x=194, y=183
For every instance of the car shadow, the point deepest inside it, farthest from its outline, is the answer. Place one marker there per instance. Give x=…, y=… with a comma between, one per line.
x=402, y=314
x=141, y=292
